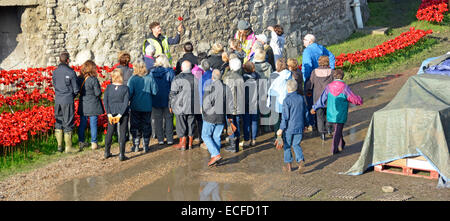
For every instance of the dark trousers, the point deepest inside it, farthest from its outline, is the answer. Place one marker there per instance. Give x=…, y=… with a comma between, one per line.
x=338, y=138
x=123, y=127
x=162, y=121
x=65, y=117
x=310, y=119
x=199, y=125
x=140, y=124
x=322, y=124
x=185, y=125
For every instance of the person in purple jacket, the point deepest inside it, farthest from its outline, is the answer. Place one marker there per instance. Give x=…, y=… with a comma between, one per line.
x=335, y=97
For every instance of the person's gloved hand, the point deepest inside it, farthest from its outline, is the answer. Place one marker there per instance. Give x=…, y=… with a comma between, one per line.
x=110, y=118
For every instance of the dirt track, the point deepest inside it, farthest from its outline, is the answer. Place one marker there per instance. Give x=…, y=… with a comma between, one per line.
x=252, y=174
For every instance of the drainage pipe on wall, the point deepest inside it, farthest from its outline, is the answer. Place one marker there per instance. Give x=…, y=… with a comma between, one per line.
x=357, y=8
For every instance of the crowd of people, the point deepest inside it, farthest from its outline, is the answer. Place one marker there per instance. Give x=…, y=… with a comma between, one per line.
x=247, y=86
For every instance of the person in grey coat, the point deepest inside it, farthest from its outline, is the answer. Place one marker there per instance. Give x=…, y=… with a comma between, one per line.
x=66, y=88
x=234, y=80
x=90, y=103
x=181, y=103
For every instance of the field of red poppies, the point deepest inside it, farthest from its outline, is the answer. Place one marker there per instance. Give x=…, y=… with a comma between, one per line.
x=432, y=10
x=27, y=107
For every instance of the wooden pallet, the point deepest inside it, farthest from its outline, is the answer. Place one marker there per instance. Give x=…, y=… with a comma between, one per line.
x=409, y=167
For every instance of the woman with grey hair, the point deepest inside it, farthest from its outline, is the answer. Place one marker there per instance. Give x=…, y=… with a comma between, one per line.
x=163, y=75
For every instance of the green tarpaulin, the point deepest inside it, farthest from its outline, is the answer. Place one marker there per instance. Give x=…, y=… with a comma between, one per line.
x=416, y=122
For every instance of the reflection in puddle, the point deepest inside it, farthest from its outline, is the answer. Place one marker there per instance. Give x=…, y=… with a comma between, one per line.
x=82, y=189
x=162, y=190
x=177, y=185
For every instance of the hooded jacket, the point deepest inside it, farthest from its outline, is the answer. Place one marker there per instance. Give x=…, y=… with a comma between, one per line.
x=278, y=89
x=141, y=91
x=264, y=69
x=319, y=79
x=335, y=97
x=181, y=96
x=163, y=78
x=234, y=81
x=216, y=103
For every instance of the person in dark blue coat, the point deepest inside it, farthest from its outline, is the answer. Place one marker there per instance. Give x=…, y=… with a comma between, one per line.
x=292, y=125
x=162, y=122
x=142, y=88
x=66, y=88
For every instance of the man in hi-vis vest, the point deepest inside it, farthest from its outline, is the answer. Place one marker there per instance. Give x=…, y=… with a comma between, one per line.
x=161, y=43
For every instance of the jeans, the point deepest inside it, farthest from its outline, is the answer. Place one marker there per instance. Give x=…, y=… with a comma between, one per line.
x=250, y=124
x=82, y=128
x=292, y=140
x=236, y=121
x=211, y=136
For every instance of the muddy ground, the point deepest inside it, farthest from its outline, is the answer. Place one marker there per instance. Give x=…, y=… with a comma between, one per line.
x=253, y=174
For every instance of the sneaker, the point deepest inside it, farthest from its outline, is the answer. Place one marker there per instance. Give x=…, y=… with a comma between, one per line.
x=246, y=143
x=169, y=142
x=253, y=143
x=161, y=142
x=203, y=146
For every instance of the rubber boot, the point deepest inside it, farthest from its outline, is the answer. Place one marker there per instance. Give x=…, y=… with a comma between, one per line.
x=122, y=156
x=81, y=145
x=68, y=141
x=146, y=145
x=191, y=141
x=107, y=151
x=182, y=144
x=59, y=134
x=234, y=145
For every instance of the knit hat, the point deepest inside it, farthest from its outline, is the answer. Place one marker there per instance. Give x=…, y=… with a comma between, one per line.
x=243, y=25
x=262, y=37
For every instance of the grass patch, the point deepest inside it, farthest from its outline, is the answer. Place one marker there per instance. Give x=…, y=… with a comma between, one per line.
x=39, y=152
x=399, y=16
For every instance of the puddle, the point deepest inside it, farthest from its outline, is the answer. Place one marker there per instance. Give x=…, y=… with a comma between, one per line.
x=181, y=185
x=161, y=190
x=85, y=189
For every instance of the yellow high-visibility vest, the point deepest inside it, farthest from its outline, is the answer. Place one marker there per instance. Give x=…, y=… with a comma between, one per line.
x=158, y=50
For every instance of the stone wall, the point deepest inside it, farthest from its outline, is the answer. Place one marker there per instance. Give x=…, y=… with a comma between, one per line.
x=99, y=29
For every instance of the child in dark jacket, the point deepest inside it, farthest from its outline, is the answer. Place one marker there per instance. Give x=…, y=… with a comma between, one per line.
x=292, y=124
x=336, y=96
x=116, y=100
